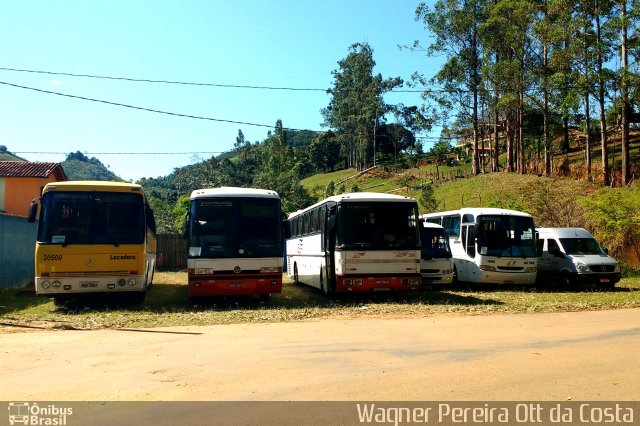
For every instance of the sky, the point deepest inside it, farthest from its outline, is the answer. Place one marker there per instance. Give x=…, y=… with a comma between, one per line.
x=282, y=44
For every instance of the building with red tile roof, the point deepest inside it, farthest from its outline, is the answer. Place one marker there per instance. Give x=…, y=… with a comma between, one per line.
x=22, y=181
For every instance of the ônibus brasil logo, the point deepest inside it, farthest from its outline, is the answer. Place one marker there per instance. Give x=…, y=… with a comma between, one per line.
x=26, y=413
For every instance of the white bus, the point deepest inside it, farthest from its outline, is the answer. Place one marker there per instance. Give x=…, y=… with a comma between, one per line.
x=436, y=261
x=235, y=242
x=356, y=242
x=490, y=245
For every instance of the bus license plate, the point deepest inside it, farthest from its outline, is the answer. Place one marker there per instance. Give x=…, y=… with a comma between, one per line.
x=236, y=285
x=89, y=284
x=381, y=289
x=382, y=282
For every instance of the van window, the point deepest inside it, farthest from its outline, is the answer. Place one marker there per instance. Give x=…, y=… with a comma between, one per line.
x=552, y=246
x=581, y=246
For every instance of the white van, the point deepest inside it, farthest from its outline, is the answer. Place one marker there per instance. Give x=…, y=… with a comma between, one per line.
x=573, y=256
x=436, y=262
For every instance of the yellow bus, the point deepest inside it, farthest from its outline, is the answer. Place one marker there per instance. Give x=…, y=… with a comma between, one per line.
x=93, y=237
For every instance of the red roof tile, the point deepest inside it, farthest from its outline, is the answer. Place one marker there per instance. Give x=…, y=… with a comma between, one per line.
x=31, y=169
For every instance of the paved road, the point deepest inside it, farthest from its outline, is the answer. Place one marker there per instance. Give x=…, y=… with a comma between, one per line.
x=582, y=356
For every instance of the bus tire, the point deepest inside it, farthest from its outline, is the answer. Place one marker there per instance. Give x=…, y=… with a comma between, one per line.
x=137, y=298
x=264, y=297
x=61, y=300
x=296, y=278
x=323, y=285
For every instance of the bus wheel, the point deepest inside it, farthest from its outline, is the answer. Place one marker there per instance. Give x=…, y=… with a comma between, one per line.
x=296, y=279
x=137, y=298
x=62, y=300
x=323, y=285
x=264, y=297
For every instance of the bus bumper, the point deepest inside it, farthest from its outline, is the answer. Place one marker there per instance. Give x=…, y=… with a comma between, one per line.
x=507, y=277
x=367, y=284
x=234, y=286
x=77, y=285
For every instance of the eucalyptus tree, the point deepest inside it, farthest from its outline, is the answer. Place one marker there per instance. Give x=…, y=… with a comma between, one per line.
x=507, y=30
x=454, y=25
x=357, y=106
x=624, y=90
x=603, y=52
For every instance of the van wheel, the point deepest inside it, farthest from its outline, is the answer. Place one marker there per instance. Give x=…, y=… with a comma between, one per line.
x=565, y=280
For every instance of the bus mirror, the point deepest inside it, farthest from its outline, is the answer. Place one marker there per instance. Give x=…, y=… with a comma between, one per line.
x=185, y=228
x=33, y=211
x=285, y=229
x=151, y=220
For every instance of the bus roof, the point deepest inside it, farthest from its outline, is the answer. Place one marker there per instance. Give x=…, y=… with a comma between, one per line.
x=230, y=191
x=477, y=211
x=92, y=185
x=426, y=224
x=354, y=197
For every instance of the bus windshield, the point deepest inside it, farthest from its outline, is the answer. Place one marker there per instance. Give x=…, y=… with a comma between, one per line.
x=506, y=236
x=235, y=227
x=581, y=246
x=435, y=243
x=370, y=225
x=92, y=218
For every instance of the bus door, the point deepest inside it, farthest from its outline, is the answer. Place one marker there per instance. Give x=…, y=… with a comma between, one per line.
x=329, y=247
x=467, y=269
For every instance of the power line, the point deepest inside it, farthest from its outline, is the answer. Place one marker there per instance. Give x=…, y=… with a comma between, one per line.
x=124, y=153
x=188, y=83
x=145, y=80
x=220, y=120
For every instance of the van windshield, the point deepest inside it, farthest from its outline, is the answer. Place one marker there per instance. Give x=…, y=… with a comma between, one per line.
x=581, y=246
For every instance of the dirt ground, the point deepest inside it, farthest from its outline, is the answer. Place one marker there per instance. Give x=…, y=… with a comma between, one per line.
x=557, y=356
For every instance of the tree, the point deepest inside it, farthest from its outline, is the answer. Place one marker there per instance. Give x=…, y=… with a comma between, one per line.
x=455, y=26
x=427, y=199
x=357, y=107
x=240, y=141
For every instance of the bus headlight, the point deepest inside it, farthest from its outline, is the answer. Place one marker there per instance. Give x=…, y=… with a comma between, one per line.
x=487, y=268
x=410, y=281
x=122, y=282
x=56, y=284
x=271, y=269
x=45, y=284
x=132, y=282
x=357, y=282
x=531, y=269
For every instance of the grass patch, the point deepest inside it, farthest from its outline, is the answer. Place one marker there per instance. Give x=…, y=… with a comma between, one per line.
x=168, y=304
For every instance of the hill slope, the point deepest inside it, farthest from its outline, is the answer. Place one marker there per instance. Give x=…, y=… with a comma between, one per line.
x=77, y=166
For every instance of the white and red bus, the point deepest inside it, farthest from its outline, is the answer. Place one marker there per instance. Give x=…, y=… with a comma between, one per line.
x=356, y=242
x=235, y=242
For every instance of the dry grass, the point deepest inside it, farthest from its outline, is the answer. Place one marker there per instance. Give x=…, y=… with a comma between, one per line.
x=168, y=304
